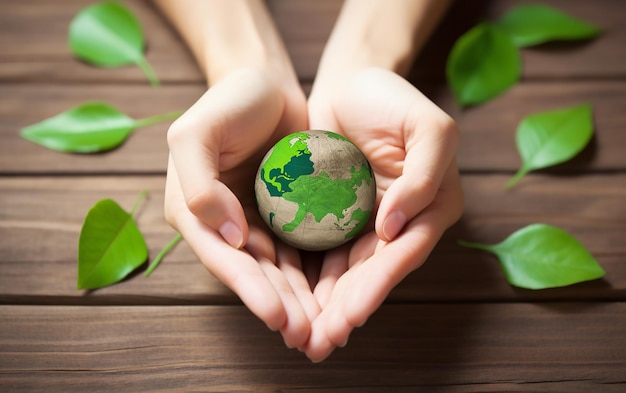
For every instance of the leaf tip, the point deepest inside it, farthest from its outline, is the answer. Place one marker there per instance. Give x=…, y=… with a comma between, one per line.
x=80, y=285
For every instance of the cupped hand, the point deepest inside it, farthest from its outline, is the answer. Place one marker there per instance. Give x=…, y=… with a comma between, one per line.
x=215, y=148
x=411, y=145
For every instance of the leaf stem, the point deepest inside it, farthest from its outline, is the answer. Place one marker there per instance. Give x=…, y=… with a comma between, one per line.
x=513, y=181
x=158, y=118
x=148, y=71
x=163, y=252
x=478, y=246
x=140, y=198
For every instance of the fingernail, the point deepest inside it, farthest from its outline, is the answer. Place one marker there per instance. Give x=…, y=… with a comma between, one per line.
x=393, y=224
x=317, y=361
x=232, y=234
x=344, y=343
x=289, y=346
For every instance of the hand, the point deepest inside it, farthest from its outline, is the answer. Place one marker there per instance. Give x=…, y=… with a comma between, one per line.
x=411, y=145
x=215, y=148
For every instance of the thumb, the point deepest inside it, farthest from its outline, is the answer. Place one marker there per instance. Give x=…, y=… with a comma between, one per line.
x=212, y=140
x=219, y=208
x=211, y=211
x=205, y=195
x=427, y=160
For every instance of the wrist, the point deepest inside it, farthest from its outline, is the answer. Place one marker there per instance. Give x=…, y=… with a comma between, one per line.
x=225, y=35
x=243, y=36
x=377, y=33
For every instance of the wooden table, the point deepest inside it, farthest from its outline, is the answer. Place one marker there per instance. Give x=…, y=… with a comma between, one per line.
x=455, y=325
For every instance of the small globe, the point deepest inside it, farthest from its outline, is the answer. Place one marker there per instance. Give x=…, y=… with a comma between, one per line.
x=315, y=190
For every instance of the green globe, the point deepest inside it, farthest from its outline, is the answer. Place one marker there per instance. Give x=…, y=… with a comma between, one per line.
x=315, y=190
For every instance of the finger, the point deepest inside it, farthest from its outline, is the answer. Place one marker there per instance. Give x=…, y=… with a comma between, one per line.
x=288, y=261
x=237, y=270
x=341, y=267
x=281, y=265
x=337, y=264
x=395, y=260
x=331, y=329
x=378, y=275
x=176, y=207
x=334, y=266
x=431, y=148
x=262, y=247
x=319, y=347
x=174, y=202
x=296, y=327
x=288, y=281
x=321, y=116
x=217, y=134
x=295, y=114
x=241, y=273
x=369, y=286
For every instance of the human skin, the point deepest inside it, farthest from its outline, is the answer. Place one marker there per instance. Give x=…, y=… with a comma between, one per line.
x=254, y=99
x=360, y=92
x=411, y=146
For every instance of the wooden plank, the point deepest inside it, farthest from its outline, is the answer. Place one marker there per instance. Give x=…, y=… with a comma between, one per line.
x=221, y=348
x=40, y=221
x=454, y=325
x=305, y=27
x=145, y=151
x=487, y=132
x=34, y=45
x=33, y=41
x=30, y=52
x=554, y=61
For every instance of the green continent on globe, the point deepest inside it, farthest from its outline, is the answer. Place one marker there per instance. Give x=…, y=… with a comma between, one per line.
x=315, y=189
x=330, y=196
x=289, y=160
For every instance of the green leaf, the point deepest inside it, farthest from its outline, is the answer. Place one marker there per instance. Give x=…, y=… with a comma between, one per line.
x=541, y=256
x=534, y=24
x=483, y=63
x=107, y=34
x=88, y=128
x=549, y=138
x=110, y=246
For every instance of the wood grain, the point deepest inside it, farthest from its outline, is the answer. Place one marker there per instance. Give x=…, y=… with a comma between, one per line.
x=42, y=216
x=34, y=47
x=34, y=43
x=548, y=62
x=453, y=325
x=487, y=132
x=227, y=349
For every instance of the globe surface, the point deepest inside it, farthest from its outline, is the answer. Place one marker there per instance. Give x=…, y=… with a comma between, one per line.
x=315, y=190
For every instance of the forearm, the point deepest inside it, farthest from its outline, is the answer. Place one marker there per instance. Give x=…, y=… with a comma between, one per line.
x=380, y=33
x=227, y=34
